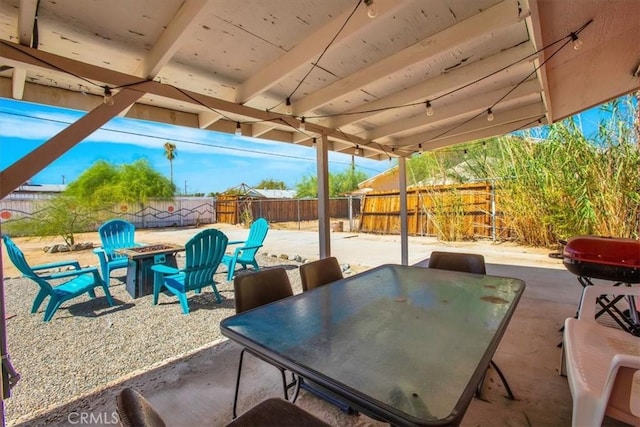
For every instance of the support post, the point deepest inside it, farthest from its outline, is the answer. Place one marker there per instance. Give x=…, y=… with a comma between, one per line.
x=322, y=159
x=404, y=230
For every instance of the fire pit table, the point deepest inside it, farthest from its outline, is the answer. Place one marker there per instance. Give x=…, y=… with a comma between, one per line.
x=616, y=260
x=141, y=258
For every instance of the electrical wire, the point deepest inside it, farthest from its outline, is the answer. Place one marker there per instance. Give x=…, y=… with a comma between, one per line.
x=184, y=141
x=512, y=89
x=315, y=64
x=478, y=80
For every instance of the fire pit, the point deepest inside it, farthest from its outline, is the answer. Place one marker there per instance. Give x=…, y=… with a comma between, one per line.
x=613, y=259
x=141, y=258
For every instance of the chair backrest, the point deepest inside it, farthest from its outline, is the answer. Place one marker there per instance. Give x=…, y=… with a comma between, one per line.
x=17, y=257
x=203, y=253
x=260, y=288
x=320, y=272
x=116, y=234
x=468, y=263
x=257, y=232
x=136, y=411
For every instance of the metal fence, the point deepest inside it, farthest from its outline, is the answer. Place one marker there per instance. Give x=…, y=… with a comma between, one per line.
x=179, y=212
x=193, y=211
x=240, y=209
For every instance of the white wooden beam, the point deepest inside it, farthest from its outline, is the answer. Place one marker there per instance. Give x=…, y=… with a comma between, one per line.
x=23, y=169
x=439, y=84
x=16, y=55
x=490, y=132
x=176, y=33
x=307, y=49
x=17, y=82
x=463, y=107
x=26, y=17
x=258, y=129
x=207, y=118
x=489, y=20
x=471, y=129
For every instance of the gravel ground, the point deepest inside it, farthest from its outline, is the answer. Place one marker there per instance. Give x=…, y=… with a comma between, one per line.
x=88, y=344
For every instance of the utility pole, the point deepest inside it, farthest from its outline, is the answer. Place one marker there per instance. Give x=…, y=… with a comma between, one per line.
x=185, y=187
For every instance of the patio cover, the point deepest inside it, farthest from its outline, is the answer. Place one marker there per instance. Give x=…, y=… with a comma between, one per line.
x=419, y=75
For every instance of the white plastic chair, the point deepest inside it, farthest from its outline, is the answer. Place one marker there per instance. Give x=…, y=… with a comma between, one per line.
x=601, y=363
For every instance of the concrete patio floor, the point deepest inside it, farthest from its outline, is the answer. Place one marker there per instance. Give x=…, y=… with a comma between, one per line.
x=197, y=389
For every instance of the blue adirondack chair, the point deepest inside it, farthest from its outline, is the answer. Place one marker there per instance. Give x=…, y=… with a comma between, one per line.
x=82, y=280
x=203, y=253
x=246, y=254
x=114, y=234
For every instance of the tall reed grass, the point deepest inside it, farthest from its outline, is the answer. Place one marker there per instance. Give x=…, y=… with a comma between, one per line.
x=566, y=184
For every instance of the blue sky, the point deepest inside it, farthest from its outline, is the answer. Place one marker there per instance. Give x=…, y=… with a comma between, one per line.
x=207, y=161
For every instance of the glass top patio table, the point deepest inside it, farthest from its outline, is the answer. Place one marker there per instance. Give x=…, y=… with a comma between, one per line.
x=406, y=344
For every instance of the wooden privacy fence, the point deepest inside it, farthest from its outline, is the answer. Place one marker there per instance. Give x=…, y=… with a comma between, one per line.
x=240, y=209
x=450, y=212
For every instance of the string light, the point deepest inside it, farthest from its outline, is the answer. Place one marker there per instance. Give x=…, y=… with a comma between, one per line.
x=238, y=129
x=429, y=109
x=575, y=41
x=303, y=126
x=314, y=141
x=420, y=148
x=490, y=116
x=108, y=96
x=372, y=9
x=288, y=109
x=357, y=151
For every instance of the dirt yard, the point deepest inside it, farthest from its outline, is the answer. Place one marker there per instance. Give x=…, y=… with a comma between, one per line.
x=33, y=247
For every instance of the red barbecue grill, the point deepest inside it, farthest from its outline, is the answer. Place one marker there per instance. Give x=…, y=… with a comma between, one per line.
x=606, y=258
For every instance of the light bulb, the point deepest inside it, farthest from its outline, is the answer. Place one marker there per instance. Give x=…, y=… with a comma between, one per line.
x=429, y=109
x=238, y=129
x=372, y=9
x=420, y=148
x=356, y=151
x=575, y=41
x=302, y=127
x=108, y=96
x=490, y=116
x=288, y=109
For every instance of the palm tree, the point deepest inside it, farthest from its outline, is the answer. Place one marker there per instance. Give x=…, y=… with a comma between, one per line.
x=170, y=153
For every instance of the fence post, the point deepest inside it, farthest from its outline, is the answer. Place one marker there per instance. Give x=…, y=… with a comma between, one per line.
x=493, y=212
x=298, y=212
x=350, y=204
